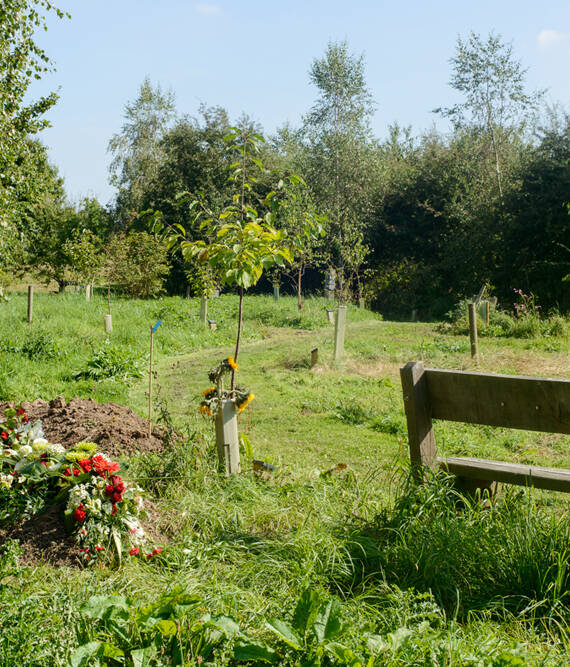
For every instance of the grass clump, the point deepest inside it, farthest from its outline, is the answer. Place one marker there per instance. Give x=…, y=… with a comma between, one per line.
x=511, y=557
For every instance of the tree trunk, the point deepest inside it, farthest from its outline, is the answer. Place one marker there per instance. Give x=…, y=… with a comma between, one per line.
x=299, y=299
x=238, y=337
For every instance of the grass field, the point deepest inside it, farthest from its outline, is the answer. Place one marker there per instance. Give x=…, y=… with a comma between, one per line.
x=381, y=573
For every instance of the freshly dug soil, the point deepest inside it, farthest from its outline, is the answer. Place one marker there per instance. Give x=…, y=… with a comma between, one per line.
x=115, y=428
x=118, y=431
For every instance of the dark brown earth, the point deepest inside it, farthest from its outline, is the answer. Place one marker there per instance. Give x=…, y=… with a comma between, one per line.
x=118, y=431
x=115, y=428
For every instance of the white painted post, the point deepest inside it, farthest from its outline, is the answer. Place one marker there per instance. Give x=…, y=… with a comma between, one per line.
x=88, y=292
x=108, y=323
x=227, y=442
x=330, y=315
x=340, y=324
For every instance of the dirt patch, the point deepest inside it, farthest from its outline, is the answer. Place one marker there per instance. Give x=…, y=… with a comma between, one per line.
x=115, y=428
x=118, y=431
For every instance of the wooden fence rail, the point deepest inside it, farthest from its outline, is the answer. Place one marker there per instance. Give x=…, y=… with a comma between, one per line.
x=536, y=404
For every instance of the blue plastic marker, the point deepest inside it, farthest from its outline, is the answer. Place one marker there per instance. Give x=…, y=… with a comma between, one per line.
x=155, y=327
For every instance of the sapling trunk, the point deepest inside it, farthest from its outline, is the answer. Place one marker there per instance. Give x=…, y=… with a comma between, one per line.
x=238, y=337
x=299, y=276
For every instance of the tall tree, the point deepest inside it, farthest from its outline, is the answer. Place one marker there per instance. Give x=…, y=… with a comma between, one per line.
x=21, y=62
x=340, y=166
x=137, y=150
x=496, y=101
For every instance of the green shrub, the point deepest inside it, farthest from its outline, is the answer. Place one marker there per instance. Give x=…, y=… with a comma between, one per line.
x=111, y=361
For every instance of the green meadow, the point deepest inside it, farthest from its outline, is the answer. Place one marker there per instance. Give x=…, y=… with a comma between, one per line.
x=334, y=557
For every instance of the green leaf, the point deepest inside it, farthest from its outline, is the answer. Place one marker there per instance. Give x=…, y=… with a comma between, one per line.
x=345, y=655
x=327, y=624
x=255, y=652
x=142, y=657
x=306, y=610
x=105, y=607
x=286, y=633
x=246, y=444
x=227, y=624
x=84, y=654
x=166, y=627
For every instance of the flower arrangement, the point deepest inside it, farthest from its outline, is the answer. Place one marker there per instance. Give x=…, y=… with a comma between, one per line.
x=213, y=396
x=101, y=510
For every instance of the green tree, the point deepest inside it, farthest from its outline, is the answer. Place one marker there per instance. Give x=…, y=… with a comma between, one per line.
x=137, y=149
x=22, y=61
x=341, y=163
x=496, y=102
x=241, y=238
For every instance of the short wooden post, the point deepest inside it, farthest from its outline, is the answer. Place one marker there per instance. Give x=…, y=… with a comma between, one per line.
x=361, y=302
x=340, y=324
x=418, y=416
x=203, y=310
x=473, y=332
x=275, y=292
x=212, y=325
x=487, y=313
x=227, y=442
x=314, y=357
x=88, y=292
x=150, y=383
x=30, y=303
x=108, y=323
x=330, y=315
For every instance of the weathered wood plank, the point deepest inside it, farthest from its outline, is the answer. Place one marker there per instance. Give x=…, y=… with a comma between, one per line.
x=535, y=404
x=416, y=403
x=555, y=479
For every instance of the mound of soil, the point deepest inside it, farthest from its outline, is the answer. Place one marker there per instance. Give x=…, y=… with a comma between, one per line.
x=115, y=428
x=118, y=431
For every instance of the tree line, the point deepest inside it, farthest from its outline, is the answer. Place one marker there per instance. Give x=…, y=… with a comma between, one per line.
x=409, y=222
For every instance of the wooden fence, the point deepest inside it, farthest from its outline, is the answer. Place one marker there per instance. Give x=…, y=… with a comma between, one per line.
x=535, y=404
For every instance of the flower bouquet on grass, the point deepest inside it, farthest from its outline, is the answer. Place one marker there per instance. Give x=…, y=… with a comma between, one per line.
x=213, y=396
x=101, y=510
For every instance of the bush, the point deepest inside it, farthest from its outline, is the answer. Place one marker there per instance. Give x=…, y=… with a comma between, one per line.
x=138, y=262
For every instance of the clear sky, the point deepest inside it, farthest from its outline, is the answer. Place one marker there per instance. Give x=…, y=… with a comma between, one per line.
x=253, y=56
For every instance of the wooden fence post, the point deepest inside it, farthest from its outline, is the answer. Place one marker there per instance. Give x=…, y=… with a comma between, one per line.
x=418, y=416
x=204, y=310
x=30, y=303
x=340, y=324
x=487, y=313
x=473, y=332
x=314, y=357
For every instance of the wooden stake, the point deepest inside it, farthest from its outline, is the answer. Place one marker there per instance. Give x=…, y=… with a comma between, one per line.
x=108, y=323
x=275, y=292
x=30, y=303
x=339, y=327
x=314, y=357
x=88, y=292
x=487, y=313
x=473, y=332
x=330, y=315
x=150, y=383
x=204, y=310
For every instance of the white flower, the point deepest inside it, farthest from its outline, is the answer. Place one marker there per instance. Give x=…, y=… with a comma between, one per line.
x=54, y=449
x=25, y=450
x=40, y=442
x=10, y=452
x=77, y=495
x=6, y=480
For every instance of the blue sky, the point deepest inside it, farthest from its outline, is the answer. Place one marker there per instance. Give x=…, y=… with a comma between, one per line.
x=253, y=56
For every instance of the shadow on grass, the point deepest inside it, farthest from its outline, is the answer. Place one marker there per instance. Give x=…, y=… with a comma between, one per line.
x=511, y=556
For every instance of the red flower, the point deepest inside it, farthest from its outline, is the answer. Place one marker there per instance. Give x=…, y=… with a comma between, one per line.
x=21, y=411
x=76, y=472
x=134, y=551
x=99, y=548
x=114, y=510
x=85, y=464
x=25, y=419
x=67, y=472
x=156, y=551
x=79, y=514
x=102, y=466
x=4, y=435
